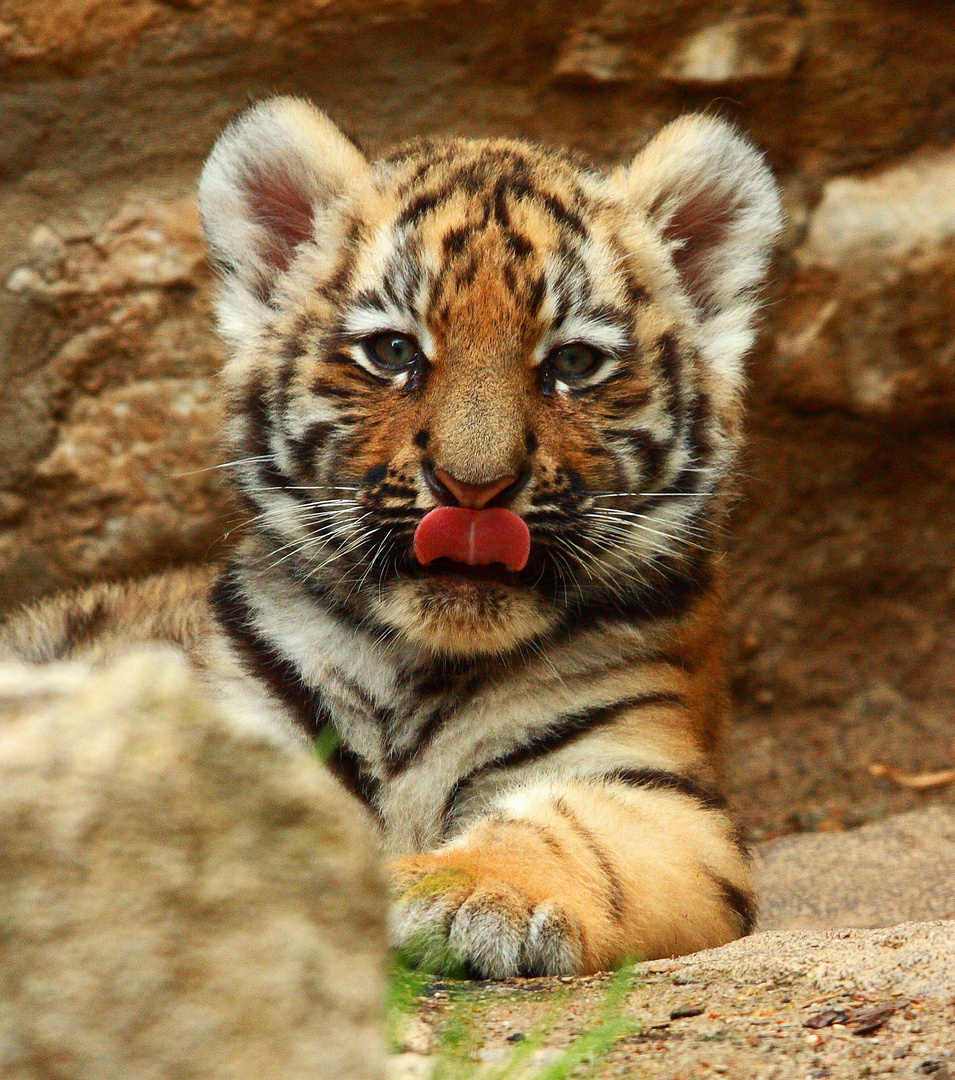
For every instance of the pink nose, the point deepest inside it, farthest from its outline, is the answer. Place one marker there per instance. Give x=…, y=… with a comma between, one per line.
x=474, y=496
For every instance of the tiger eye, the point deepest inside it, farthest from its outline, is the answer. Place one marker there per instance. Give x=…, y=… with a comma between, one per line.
x=391, y=350
x=574, y=361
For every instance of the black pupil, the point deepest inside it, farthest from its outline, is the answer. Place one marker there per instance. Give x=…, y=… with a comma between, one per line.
x=574, y=360
x=393, y=350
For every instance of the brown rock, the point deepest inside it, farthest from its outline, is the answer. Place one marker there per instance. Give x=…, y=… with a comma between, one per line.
x=593, y=55
x=870, y=324
x=114, y=434
x=178, y=897
x=738, y=50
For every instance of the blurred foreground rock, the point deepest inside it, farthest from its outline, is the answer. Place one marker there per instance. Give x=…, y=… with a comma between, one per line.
x=178, y=898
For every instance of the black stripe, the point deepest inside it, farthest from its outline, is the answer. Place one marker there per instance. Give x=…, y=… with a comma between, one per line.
x=455, y=241
x=670, y=597
x=740, y=840
x=686, y=482
x=347, y=768
x=649, y=450
x=272, y=476
x=421, y=205
x=542, y=832
x=660, y=780
x=565, y=731
x=535, y=296
x=260, y=426
x=698, y=427
x=500, y=212
x=382, y=715
x=335, y=285
x=453, y=689
x=304, y=448
x=624, y=404
x=617, y=897
x=743, y=904
x=518, y=243
x=369, y=298
x=636, y=291
x=255, y=408
x=323, y=387
x=80, y=627
x=399, y=761
x=671, y=365
x=263, y=661
x=567, y=217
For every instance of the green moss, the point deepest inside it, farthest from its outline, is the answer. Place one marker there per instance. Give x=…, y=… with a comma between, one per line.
x=449, y=879
x=325, y=743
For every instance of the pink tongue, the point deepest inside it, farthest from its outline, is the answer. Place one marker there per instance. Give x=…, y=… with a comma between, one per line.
x=473, y=537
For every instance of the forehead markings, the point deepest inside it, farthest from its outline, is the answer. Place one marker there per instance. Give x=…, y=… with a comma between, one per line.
x=491, y=188
x=493, y=177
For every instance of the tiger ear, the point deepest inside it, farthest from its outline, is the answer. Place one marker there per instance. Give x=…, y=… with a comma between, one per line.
x=270, y=178
x=710, y=196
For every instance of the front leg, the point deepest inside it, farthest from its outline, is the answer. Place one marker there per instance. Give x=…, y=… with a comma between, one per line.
x=570, y=877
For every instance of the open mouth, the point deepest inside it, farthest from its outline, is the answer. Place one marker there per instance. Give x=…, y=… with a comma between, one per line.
x=444, y=567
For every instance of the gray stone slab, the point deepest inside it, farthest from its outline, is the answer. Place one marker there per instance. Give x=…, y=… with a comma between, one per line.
x=893, y=871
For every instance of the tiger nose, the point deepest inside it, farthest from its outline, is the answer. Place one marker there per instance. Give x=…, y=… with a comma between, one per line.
x=472, y=496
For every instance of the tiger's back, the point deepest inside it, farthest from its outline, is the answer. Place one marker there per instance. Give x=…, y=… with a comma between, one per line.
x=484, y=406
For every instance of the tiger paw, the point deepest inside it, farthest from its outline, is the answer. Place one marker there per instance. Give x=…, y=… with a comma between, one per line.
x=450, y=919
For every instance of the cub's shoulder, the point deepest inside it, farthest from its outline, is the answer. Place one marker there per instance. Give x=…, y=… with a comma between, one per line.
x=103, y=620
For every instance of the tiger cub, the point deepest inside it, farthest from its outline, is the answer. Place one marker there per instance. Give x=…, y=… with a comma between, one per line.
x=484, y=406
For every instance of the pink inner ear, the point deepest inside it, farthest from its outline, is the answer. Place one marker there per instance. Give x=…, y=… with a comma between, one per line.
x=285, y=211
x=701, y=224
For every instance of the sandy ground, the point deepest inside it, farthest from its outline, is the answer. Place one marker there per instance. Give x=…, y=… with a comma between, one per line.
x=794, y=1001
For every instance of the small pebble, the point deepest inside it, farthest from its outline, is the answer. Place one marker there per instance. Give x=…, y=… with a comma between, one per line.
x=687, y=1011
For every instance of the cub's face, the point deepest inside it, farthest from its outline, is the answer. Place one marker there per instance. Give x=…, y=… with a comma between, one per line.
x=491, y=327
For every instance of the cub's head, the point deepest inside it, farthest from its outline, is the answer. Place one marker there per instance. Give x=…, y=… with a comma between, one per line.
x=551, y=351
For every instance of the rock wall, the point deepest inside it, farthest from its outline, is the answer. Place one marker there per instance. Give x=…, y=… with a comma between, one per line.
x=844, y=603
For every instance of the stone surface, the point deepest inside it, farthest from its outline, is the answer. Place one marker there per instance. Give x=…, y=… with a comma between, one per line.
x=113, y=426
x=739, y=50
x=911, y=960
x=898, y=870
x=869, y=325
x=177, y=897
x=595, y=54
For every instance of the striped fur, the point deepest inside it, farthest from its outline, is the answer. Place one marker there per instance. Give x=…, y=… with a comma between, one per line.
x=537, y=747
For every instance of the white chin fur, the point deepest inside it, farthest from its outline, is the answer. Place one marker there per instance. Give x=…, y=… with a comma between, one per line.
x=463, y=617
